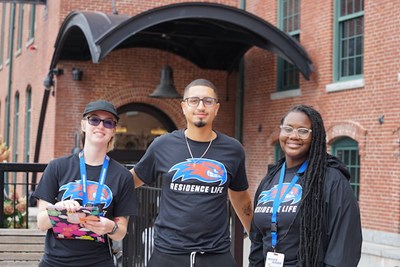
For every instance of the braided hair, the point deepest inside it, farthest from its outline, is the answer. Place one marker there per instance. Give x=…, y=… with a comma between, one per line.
x=312, y=203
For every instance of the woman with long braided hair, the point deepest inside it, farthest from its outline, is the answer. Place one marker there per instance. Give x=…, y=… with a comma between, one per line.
x=305, y=212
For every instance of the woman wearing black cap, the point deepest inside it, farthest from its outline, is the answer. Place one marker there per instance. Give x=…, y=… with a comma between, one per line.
x=87, y=179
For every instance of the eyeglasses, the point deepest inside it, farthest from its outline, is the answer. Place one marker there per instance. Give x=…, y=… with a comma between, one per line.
x=107, y=123
x=302, y=133
x=195, y=101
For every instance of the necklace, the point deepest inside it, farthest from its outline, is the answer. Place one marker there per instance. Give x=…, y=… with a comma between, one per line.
x=190, y=151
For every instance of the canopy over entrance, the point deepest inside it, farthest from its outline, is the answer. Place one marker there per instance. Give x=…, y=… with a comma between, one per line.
x=212, y=36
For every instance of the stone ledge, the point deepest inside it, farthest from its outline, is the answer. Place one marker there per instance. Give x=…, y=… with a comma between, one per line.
x=347, y=85
x=381, y=244
x=389, y=252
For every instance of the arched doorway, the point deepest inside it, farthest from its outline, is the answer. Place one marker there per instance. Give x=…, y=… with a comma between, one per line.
x=139, y=124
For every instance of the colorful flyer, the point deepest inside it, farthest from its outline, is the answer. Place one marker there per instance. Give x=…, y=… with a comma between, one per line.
x=70, y=225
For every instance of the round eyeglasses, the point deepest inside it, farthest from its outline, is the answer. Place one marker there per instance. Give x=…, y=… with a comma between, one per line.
x=107, y=123
x=195, y=101
x=302, y=133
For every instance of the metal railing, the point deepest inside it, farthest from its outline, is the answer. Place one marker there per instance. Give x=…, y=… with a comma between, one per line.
x=137, y=245
x=15, y=192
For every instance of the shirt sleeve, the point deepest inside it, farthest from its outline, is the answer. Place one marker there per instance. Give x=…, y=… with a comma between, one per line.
x=239, y=181
x=47, y=188
x=126, y=202
x=145, y=168
x=344, y=232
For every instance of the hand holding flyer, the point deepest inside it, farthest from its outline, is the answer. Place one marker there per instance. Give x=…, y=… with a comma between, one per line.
x=70, y=225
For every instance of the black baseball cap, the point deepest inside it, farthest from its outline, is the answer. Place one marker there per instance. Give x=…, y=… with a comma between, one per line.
x=101, y=105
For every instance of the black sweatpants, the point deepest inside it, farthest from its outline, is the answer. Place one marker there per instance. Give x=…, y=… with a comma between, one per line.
x=159, y=259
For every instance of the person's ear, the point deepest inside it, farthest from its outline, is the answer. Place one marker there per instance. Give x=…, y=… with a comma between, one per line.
x=216, y=110
x=183, y=107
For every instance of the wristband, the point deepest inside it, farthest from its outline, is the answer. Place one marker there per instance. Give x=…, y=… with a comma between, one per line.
x=114, y=230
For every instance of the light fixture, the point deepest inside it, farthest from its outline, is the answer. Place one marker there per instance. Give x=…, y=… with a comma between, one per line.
x=166, y=88
x=158, y=131
x=132, y=113
x=77, y=74
x=48, y=81
x=121, y=129
x=381, y=119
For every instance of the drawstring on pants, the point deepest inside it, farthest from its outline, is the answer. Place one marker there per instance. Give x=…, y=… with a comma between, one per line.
x=193, y=258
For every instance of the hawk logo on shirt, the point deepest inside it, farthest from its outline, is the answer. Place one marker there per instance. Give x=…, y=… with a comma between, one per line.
x=74, y=190
x=204, y=170
x=293, y=196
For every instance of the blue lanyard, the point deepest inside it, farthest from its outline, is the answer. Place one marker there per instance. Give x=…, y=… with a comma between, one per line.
x=102, y=179
x=278, y=199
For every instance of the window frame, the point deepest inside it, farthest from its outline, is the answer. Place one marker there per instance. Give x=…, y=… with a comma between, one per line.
x=32, y=17
x=337, y=46
x=16, y=131
x=28, y=115
x=348, y=144
x=2, y=34
x=286, y=70
x=20, y=28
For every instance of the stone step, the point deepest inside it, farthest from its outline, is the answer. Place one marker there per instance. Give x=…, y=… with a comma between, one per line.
x=21, y=247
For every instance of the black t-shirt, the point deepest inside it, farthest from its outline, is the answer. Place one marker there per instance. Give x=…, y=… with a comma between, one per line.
x=193, y=210
x=288, y=219
x=61, y=181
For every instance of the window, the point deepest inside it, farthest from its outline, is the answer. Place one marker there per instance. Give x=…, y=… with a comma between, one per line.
x=16, y=121
x=2, y=34
x=289, y=22
x=5, y=121
x=15, y=137
x=20, y=27
x=349, y=39
x=28, y=110
x=11, y=28
x=346, y=149
x=32, y=24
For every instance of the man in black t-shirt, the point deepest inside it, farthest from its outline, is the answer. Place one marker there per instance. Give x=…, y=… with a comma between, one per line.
x=200, y=168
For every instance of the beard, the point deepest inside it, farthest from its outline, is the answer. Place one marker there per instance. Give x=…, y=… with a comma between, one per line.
x=199, y=124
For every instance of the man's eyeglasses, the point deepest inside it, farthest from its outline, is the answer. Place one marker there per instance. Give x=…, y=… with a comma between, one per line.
x=302, y=133
x=195, y=101
x=107, y=123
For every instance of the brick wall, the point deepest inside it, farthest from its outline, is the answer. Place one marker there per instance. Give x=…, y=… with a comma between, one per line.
x=351, y=113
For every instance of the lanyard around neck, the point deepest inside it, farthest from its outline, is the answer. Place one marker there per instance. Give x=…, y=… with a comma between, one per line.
x=279, y=198
x=102, y=179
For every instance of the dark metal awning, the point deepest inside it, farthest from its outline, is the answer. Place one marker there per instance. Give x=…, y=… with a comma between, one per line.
x=212, y=36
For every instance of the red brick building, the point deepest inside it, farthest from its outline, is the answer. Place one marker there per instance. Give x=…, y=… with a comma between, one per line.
x=355, y=85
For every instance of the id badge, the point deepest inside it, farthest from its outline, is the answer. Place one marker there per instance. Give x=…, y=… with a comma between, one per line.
x=274, y=259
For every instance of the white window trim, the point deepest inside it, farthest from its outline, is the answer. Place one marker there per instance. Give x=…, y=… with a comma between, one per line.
x=285, y=94
x=348, y=85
